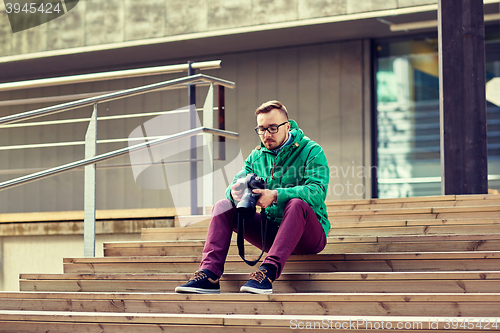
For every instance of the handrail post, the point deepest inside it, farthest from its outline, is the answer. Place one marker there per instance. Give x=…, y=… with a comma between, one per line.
x=193, y=165
x=208, y=151
x=90, y=188
x=221, y=105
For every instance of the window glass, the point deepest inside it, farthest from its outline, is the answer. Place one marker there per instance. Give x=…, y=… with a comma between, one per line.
x=407, y=101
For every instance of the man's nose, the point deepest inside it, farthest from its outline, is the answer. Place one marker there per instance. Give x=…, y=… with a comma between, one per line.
x=267, y=134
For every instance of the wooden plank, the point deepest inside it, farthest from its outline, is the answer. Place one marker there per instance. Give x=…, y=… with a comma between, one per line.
x=279, y=286
x=425, y=204
x=476, y=196
x=402, y=211
x=244, y=297
x=343, y=225
x=297, y=306
x=492, y=229
x=65, y=327
x=100, y=214
x=336, y=276
x=453, y=221
x=428, y=245
x=268, y=322
x=401, y=245
x=296, y=266
x=467, y=209
x=195, y=221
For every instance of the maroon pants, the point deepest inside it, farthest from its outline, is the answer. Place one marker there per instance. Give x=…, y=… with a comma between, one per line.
x=300, y=232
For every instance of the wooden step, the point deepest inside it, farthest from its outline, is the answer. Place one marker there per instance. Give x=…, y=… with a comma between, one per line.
x=340, y=282
x=39, y=321
x=428, y=204
x=434, y=200
x=374, y=304
x=456, y=243
x=163, y=234
x=373, y=262
x=353, y=211
x=386, y=221
x=335, y=245
x=413, y=211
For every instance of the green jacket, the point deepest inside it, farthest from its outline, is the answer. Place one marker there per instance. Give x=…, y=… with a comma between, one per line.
x=299, y=170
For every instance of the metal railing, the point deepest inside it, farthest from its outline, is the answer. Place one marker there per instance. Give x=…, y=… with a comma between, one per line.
x=90, y=160
x=184, y=82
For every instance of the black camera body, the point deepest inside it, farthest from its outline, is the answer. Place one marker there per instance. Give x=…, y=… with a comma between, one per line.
x=247, y=205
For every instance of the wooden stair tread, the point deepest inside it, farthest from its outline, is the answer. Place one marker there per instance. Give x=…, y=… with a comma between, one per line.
x=138, y=245
x=245, y=297
x=395, y=260
x=405, y=304
x=435, y=198
x=363, y=235
x=311, y=257
x=336, y=276
x=262, y=321
x=354, y=262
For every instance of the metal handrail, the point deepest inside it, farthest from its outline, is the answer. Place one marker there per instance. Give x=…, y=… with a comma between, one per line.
x=90, y=160
x=123, y=74
x=183, y=81
x=115, y=153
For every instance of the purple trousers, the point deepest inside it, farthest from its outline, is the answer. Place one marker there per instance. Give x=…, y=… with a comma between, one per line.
x=300, y=232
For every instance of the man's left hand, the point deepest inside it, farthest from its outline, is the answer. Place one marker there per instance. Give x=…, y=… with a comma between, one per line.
x=267, y=197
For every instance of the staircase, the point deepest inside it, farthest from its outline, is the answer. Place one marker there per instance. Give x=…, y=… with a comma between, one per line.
x=410, y=264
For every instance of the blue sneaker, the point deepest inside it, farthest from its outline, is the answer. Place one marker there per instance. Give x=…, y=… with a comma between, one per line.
x=260, y=283
x=203, y=282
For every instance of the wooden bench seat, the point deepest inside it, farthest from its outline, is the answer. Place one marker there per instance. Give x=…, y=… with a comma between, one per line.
x=362, y=304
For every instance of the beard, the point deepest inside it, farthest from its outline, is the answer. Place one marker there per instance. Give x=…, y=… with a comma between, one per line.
x=272, y=144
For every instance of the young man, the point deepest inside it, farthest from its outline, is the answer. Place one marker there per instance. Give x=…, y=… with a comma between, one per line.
x=297, y=175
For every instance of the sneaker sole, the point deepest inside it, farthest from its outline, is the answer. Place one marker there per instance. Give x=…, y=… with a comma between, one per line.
x=191, y=290
x=255, y=290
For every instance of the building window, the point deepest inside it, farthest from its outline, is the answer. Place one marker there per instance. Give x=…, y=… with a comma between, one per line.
x=407, y=102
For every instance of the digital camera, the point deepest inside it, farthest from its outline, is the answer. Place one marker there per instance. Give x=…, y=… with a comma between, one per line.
x=246, y=207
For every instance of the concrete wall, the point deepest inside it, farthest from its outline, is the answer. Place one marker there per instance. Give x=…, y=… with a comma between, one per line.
x=96, y=22
x=325, y=88
x=44, y=254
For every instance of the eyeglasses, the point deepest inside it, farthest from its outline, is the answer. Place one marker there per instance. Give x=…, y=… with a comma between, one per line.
x=270, y=129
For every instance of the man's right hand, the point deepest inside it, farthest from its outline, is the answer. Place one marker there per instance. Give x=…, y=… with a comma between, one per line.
x=235, y=192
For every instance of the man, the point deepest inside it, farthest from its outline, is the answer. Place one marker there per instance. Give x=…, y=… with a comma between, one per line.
x=297, y=176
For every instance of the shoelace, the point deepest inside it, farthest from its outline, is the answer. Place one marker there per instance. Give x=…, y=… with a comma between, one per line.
x=198, y=275
x=258, y=276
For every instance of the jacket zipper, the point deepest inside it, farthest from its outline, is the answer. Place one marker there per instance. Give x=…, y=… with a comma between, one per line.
x=272, y=171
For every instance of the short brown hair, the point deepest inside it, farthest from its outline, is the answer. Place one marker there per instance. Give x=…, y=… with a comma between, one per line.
x=271, y=105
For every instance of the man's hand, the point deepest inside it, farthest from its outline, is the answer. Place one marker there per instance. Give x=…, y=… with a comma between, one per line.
x=236, y=193
x=267, y=197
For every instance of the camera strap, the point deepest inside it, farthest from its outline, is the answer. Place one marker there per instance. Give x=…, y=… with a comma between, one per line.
x=240, y=239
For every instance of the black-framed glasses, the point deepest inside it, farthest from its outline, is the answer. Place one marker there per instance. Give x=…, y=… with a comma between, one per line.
x=271, y=129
